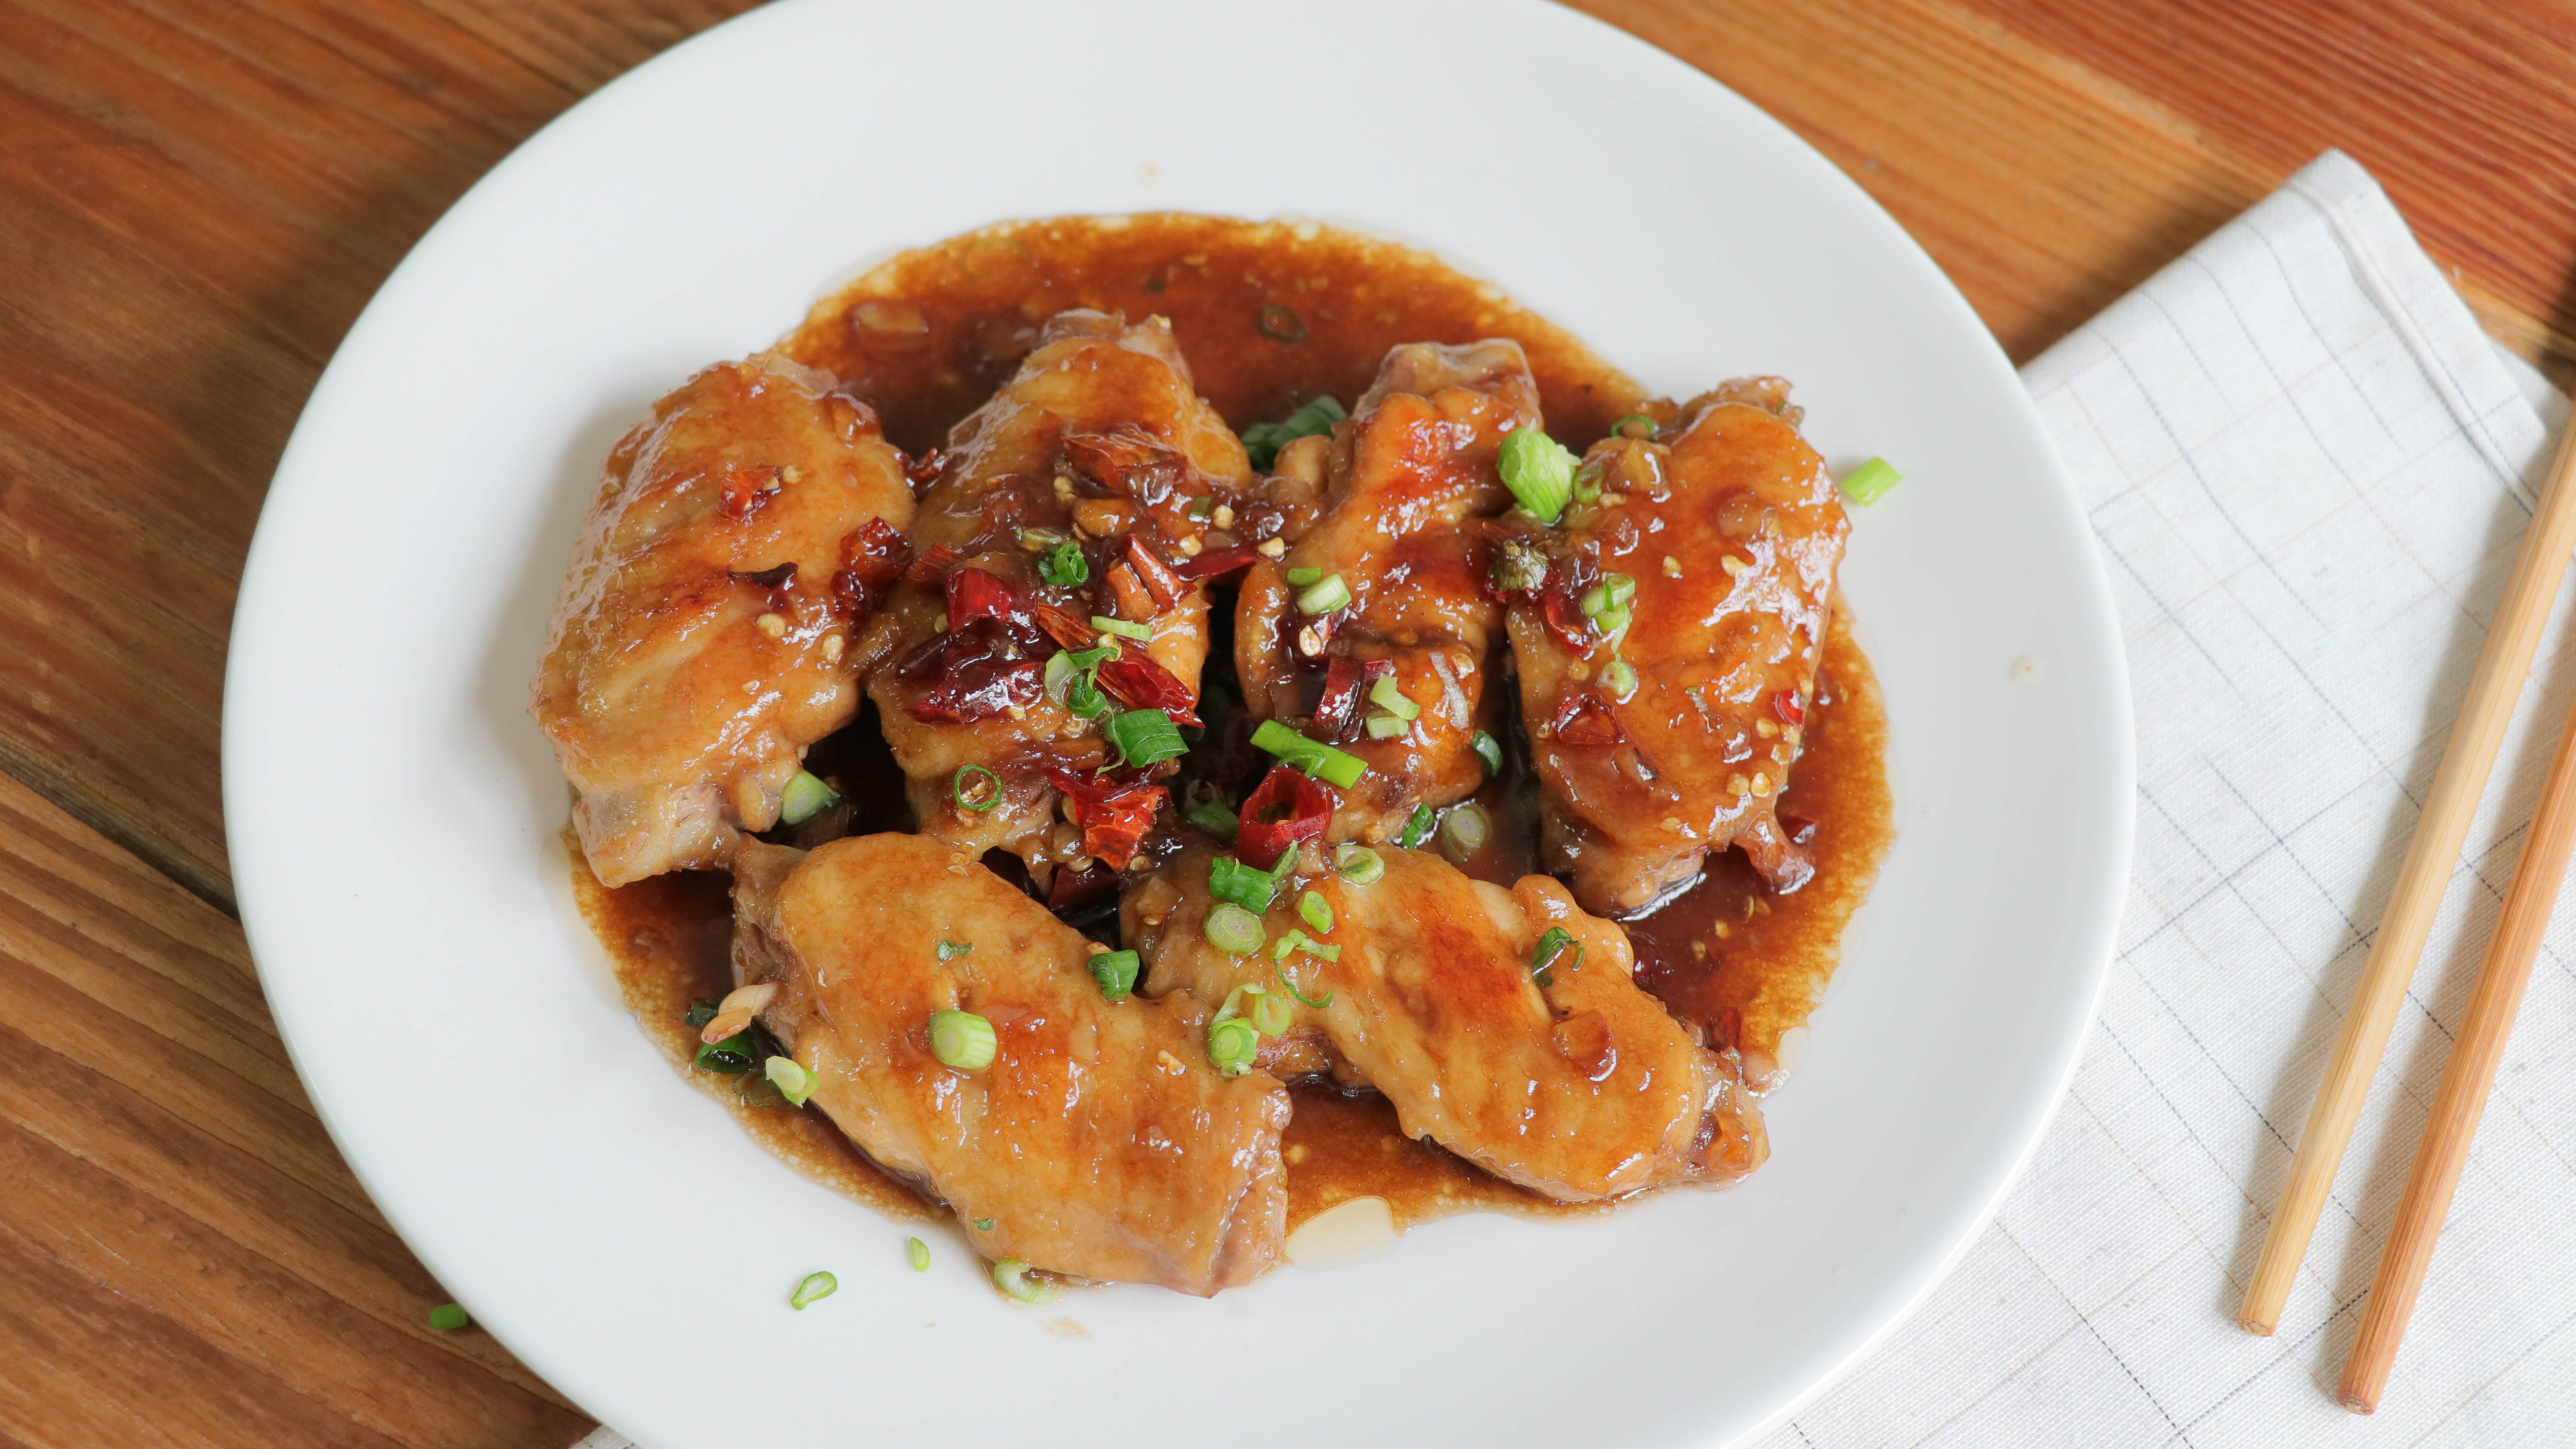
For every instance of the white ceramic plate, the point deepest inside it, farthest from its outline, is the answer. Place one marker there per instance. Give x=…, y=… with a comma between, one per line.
x=393, y=812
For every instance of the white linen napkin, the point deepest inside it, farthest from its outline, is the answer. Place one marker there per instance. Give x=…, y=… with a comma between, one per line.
x=2308, y=471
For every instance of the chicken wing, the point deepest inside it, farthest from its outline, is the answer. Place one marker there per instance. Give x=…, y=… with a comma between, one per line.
x=1674, y=736
x=704, y=637
x=1397, y=484
x=1570, y=1080
x=1097, y=1142
x=1085, y=488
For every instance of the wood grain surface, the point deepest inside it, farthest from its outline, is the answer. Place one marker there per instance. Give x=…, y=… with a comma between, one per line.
x=196, y=199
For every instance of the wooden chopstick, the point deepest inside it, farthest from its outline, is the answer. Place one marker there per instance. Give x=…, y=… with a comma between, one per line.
x=2465, y=1080
x=2430, y=857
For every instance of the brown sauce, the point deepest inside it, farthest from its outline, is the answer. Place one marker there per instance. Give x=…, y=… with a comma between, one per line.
x=927, y=335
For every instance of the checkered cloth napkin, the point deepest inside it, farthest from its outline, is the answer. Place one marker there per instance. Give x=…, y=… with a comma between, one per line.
x=2308, y=471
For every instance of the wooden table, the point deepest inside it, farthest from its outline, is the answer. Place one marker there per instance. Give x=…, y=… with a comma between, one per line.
x=197, y=198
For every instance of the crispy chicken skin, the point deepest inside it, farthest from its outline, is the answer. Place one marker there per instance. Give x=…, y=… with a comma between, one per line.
x=1732, y=531
x=1102, y=439
x=1099, y=1142
x=1583, y=1088
x=1397, y=486
x=700, y=644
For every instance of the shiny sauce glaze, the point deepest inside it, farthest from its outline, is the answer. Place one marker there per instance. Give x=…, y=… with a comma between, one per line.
x=1269, y=314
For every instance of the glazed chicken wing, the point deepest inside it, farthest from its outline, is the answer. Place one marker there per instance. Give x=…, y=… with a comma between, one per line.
x=1098, y=1141
x=704, y=637
x=1083, y=489
x=1675, y=738
x=1398, y=484
x=1571, y=1081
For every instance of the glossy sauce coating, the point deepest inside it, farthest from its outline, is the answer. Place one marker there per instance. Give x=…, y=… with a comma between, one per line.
x=1726, y=955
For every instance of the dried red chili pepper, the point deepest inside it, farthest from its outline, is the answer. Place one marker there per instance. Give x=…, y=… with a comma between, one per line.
x=745, y=489
x=1214, y=563
x=1785, y=704
x=1585, y=719
x=1153, y=573
x=1072, y=887
x=1346, y=684
x=872, y=559
x=975, y=688
x=1129, y=460
x=1114, y=810
x=934, y=565
x=1308, y=805
x=981, y=594
x=1063, y=626
x=1135, y=680
x=923, y=471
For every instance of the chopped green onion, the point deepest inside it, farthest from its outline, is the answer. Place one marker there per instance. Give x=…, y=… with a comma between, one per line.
x=975, y=788
x=1315, y=911
x=1550, y=946
x=983, y=1225
x=1416, y=827
x=1358, y=864
x=1489, y=750
x=791, y=1079
x=1116, y=973
x=1145, y=736
x=1087, y=660
x=1539, y=471
x=1232, y=1043
x=1281, y=324
x=733, y=1054
x=951, y=950
x=1200, y=508
x=1231, y=880
x=1315, y=758
x=919, y=1252
x=1620, y=678
x=1271, y=1015
x=816, y=1287
x=1387, y=696
x=1012, y=1277
x=1232, y=929
x=448, y=1317
x=1386, y=726
x=1296, y=941
x=1619, y=429
x=700, y=1012
x=805, y=797
x=1084, y=698
x=961, y=1039
x=1262, y=441
x=1209, y=813
x=1621, y=588
x=1869, y=482
x=1121, y=627
x=1463, y=832
x=1064, y=566
x=1299, y=578
x=1288, y=984
x=1059, y=673
x=1324, y=596
x=1587, y=483
x=1611, y=595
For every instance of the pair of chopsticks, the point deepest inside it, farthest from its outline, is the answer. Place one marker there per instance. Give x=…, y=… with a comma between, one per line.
x=2430, y=857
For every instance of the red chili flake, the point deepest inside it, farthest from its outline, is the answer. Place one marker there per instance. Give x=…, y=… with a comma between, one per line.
x=1304, y=804
x=871, y=560
x=981, y=594
x=1063, y=625
x=923, y=471
x=1130, y=461
x=976, y=688
x=1135, y=680
x=745, y=489
x=1585, y=719
x=1214, y=563
x=1155, y=574
x=933, y=566
x=1785, y=704
x=1114, y=810
x=1346, y=683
